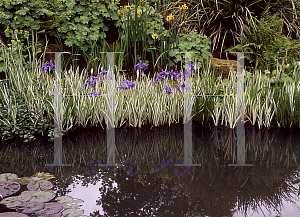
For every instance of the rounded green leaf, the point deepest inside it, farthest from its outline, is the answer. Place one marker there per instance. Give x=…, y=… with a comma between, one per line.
x=8, y=188
x=30, y=207
x=39, y=185
x=50, y=209
x=73, y=204
x=42, y=196
x=12, y=214
x=72, y=212
x=26, y=180
x=11, y=202
x=44, y=176
x=64, y=199
x=26, y=196
x=8, y=176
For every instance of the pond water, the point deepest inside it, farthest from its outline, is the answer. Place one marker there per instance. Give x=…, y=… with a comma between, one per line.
x=147, y=181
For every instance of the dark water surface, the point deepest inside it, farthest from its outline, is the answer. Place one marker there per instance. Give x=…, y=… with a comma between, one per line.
x=148, y=183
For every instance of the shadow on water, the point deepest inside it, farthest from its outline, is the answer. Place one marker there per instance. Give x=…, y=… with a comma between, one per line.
x=150, y=184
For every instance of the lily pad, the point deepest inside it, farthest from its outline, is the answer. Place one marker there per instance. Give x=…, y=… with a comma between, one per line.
x=73, y=204
x=53, y=215
x=11, y=202
x=26, y=196
x=39, y=185
x=8, y=188
x=44, y=176
x=50, y=209
x=36, y=196
x=8, y=176
x=64, y=199
x=27, y=180
x=30, y=207
x=12, y=214
x=72, y=212
x=43, y=196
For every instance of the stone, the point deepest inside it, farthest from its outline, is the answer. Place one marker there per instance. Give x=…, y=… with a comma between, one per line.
x=223, y=65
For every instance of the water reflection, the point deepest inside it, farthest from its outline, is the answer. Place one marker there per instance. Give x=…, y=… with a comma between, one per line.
x=150, y=184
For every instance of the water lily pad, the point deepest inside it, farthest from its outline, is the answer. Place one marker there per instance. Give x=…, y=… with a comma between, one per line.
x=50, y=209
x=43, y=196
x=8, y=176
x=73, y=204
x=64, y=199
x=11, y=202
x=53, y=215
x=72, y=212
x=30, y=207
x=12, y=214
x=27, y=180
x=39, y=185
x=44, y=176
x=26, y=196
x=37, y=196
x=8, y=188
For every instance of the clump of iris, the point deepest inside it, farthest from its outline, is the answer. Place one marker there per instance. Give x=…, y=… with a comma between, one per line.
x=171, y=74
x=47, y=66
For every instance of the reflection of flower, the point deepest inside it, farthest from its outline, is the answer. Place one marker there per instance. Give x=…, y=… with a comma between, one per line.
x=93, y=175
x=50, y=169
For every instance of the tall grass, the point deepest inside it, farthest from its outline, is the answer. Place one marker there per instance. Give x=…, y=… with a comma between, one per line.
x=148, y=104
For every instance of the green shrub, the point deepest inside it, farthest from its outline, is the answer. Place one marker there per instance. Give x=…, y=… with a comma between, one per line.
x=268, y=44
x=192, y=42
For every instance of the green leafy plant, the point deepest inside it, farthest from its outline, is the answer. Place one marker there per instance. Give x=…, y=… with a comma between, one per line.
x=146, y=38
x=223, y=21
x=267, y=44
x=192, y=42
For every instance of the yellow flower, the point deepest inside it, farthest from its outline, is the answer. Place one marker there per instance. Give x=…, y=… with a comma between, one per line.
x=154, y=36
x=170, y=17
x=7, y=28
x=184, y=7
x=139, y=12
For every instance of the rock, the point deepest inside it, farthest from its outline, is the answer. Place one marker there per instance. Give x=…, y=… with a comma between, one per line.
x=223, y=65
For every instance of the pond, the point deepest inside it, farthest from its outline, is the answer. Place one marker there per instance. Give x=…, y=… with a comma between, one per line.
x=147, y=181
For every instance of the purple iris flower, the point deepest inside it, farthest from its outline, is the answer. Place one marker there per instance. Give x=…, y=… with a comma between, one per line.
x=33, y=100
x=91, y=82
x=179, y=75
x=168, y=89
x=141, y=66
x=47, y=66
x=271, y=97
x=171, y=73
x=103, y=73
x=183, y=86
x=129, y=85
x=161, y=75
x=51, y=64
